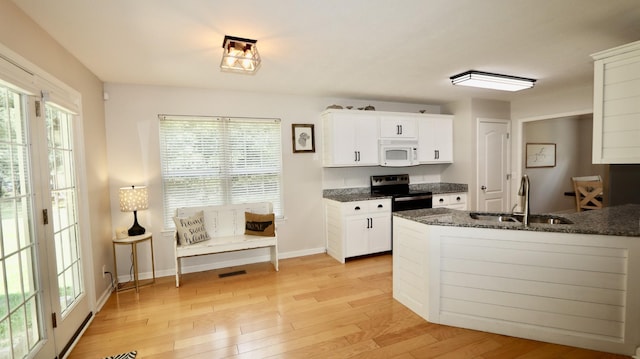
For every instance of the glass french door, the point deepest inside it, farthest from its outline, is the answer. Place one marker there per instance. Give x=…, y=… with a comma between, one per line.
x=42, y=294
x=23, y=301
x=69, y=302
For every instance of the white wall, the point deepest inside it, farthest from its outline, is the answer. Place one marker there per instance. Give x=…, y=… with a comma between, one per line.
x=549, y=184
x=572, y=136
x=133, y=158
x=567, y=102
x=552, y=104
x=24, y=37
x=464, y=167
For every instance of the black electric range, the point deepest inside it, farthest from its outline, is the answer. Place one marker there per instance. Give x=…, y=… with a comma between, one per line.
x=397, y=186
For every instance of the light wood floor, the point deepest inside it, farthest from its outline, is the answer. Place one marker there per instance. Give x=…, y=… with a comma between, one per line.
x=314, y=307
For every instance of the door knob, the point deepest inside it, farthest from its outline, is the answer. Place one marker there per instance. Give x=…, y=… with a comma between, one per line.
x=483, y=187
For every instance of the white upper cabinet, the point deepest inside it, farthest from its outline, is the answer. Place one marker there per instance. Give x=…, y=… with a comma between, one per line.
x=398, y=126
x=616, y=108
x=350, y=138
x=435, y=139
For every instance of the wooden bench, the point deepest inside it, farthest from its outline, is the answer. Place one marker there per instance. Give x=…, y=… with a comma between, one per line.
x=226, y=227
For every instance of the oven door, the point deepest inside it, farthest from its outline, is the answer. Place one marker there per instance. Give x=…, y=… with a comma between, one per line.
x=412, y=201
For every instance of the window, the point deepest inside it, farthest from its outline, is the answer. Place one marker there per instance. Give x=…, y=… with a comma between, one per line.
x=218, y=161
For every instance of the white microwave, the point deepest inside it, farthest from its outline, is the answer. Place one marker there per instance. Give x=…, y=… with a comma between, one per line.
x=398, y=153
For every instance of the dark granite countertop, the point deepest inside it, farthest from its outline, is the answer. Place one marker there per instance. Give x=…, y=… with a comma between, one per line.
x=364, y=193
x=614, y=221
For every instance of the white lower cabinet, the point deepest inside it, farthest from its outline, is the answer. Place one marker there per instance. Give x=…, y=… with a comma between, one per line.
x=357, y=228
x=450, y=200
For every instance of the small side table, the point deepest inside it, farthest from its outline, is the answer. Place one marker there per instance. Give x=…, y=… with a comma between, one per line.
x=133, y=241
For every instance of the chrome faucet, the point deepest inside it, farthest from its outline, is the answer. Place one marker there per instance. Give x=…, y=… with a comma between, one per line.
x=524, y=192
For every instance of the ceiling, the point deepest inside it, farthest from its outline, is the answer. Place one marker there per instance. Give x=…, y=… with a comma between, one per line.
x=403, y=50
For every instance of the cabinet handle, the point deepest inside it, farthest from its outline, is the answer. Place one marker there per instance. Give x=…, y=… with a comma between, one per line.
x=398, y=129
x=371, y=219
x=437, y=154
x=441, y=200
x=457, y=198
x=357, y=208
x=380, y=206
x=355, y=153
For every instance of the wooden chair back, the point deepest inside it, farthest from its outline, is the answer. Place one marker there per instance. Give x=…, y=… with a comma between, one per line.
x=589, y=190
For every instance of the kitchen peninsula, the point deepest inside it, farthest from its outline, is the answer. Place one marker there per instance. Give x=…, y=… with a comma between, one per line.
x=575, y=284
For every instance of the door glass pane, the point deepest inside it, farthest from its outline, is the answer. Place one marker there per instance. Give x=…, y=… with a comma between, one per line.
x=20, y=296
x=64, y=216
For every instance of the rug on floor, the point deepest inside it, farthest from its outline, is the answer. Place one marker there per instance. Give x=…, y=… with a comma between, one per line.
x=129, y=355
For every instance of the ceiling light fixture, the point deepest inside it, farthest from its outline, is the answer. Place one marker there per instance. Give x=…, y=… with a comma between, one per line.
x=492, y=81
x=239, y=55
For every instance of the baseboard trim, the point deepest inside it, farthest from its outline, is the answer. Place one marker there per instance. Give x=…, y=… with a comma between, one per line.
x=217, y=265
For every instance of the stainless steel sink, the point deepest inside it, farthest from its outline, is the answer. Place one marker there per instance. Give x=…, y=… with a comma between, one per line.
x=547, y=219
x=505, y=217
x=493, y=217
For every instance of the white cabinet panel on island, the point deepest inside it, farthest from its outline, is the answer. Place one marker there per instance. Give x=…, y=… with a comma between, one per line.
x=574, y=289
x=357, y=228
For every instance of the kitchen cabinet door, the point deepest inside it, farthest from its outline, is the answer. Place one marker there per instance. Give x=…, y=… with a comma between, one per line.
x=398, y=126
x=435, y=139
x=357, y=236
x=380, y=233
x=350, y=139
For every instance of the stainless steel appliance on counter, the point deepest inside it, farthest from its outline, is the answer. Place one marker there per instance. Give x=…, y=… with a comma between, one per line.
x=397, y=186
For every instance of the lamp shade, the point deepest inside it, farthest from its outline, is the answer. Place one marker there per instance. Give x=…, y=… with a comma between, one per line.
x=134, y=198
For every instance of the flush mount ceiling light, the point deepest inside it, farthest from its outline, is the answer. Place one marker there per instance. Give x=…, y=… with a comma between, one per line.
x=239, y=55
x=492, y=81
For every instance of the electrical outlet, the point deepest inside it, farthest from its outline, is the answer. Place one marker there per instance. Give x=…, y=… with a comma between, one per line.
x=104, y=270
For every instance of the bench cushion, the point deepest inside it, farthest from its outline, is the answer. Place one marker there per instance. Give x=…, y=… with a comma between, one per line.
x=225, y=244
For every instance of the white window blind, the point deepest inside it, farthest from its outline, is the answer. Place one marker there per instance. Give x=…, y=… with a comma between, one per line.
x=217, y=161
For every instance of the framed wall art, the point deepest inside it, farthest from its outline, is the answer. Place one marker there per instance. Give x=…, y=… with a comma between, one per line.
x=540, y=155
x=303, y=138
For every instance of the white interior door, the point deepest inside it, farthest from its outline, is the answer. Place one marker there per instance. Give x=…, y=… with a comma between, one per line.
x=493, y=165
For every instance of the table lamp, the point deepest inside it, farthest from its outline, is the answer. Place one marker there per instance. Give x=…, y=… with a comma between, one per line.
x=133, y=199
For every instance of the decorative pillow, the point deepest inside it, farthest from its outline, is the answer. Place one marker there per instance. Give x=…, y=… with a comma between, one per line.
x=191, y=229
x=259, y=224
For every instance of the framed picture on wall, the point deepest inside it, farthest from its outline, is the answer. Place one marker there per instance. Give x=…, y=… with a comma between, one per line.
x=303, y=138
x=540, y=155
